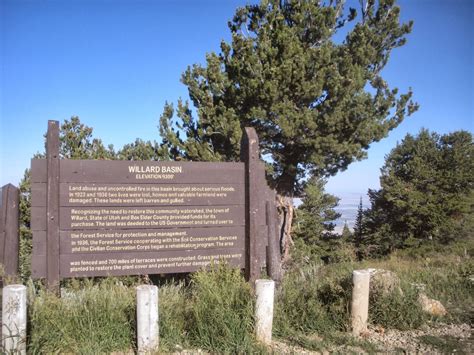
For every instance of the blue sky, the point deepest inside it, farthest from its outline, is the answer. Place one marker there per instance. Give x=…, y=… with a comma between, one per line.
x=115, y=63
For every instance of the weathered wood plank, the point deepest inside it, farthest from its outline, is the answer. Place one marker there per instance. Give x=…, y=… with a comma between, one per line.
x=39, y=171
x=38, y=266
x=38, y=194
x=9, y=229
x=136, y=263
x=164, y=240
x=39, y=242
x=101, y=194
x=150, y=172
x=38, y=219
x=12, y=237
x=87, y=218
x=3, y=217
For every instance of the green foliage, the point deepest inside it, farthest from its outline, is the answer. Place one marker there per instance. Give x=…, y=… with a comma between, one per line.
x=76, y=142
x=26, y=241
x=359, y=230
x=222, y=311
x=426, y=193
x=91, y=319
x=315, y=216
x=142, y=150
x=346, y=232
x=316, y=103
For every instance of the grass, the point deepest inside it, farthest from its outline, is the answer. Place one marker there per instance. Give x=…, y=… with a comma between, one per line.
x=221, y=317
x=311, y=301
x=397, y=311
x=174, y=309
x=213, y=310
x=445, y=276
x=444, y=344
x=313, y=306
x=97, y=318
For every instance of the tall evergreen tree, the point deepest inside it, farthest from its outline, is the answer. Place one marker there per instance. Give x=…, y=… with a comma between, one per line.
x=313, y=227
x=316, y=215
x=346, y=232
x=427, y=191
x=359, y=229
x=358, y=226
x=317, y=103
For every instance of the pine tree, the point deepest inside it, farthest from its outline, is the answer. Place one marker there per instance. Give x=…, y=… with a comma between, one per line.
x=317, y=103
x=314, y=225
x=359, y=224
x=346, y=232
x=76, y=142
x=316, y=215
x=143, y=150
x=426, y=192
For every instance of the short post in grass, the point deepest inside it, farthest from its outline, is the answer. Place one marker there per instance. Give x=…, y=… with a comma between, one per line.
x=14, y=319
x=147, y=319
x=265, y=291
x=360, y=301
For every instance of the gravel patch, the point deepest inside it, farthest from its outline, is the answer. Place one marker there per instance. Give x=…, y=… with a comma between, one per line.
x=411, y=341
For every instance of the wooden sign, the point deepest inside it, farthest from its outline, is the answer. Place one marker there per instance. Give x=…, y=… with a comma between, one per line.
x=98, y=217
x=9, y=229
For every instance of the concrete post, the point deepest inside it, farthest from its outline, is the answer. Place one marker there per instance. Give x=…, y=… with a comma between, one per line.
x=147, y=319
x=360, y=301
x=14, y=319
x=265, y=291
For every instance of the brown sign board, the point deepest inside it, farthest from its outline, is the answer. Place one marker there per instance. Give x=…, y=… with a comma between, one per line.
x=102, y=217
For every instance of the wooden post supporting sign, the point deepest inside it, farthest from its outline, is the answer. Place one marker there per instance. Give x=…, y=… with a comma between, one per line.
x=52, y=206
x=250, y=156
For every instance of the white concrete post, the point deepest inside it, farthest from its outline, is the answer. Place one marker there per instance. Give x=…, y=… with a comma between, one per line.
x=360, y=301
x=265, y=291
x=14, y=319
x=147, y=319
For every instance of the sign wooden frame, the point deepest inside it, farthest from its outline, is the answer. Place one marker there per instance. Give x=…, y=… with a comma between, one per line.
x=9, y=229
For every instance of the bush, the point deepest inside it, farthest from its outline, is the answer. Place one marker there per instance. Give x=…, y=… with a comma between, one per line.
x=93, y=319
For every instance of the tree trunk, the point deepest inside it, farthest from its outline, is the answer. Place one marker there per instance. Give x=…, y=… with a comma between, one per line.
x=286, y=190
x=286, y=209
